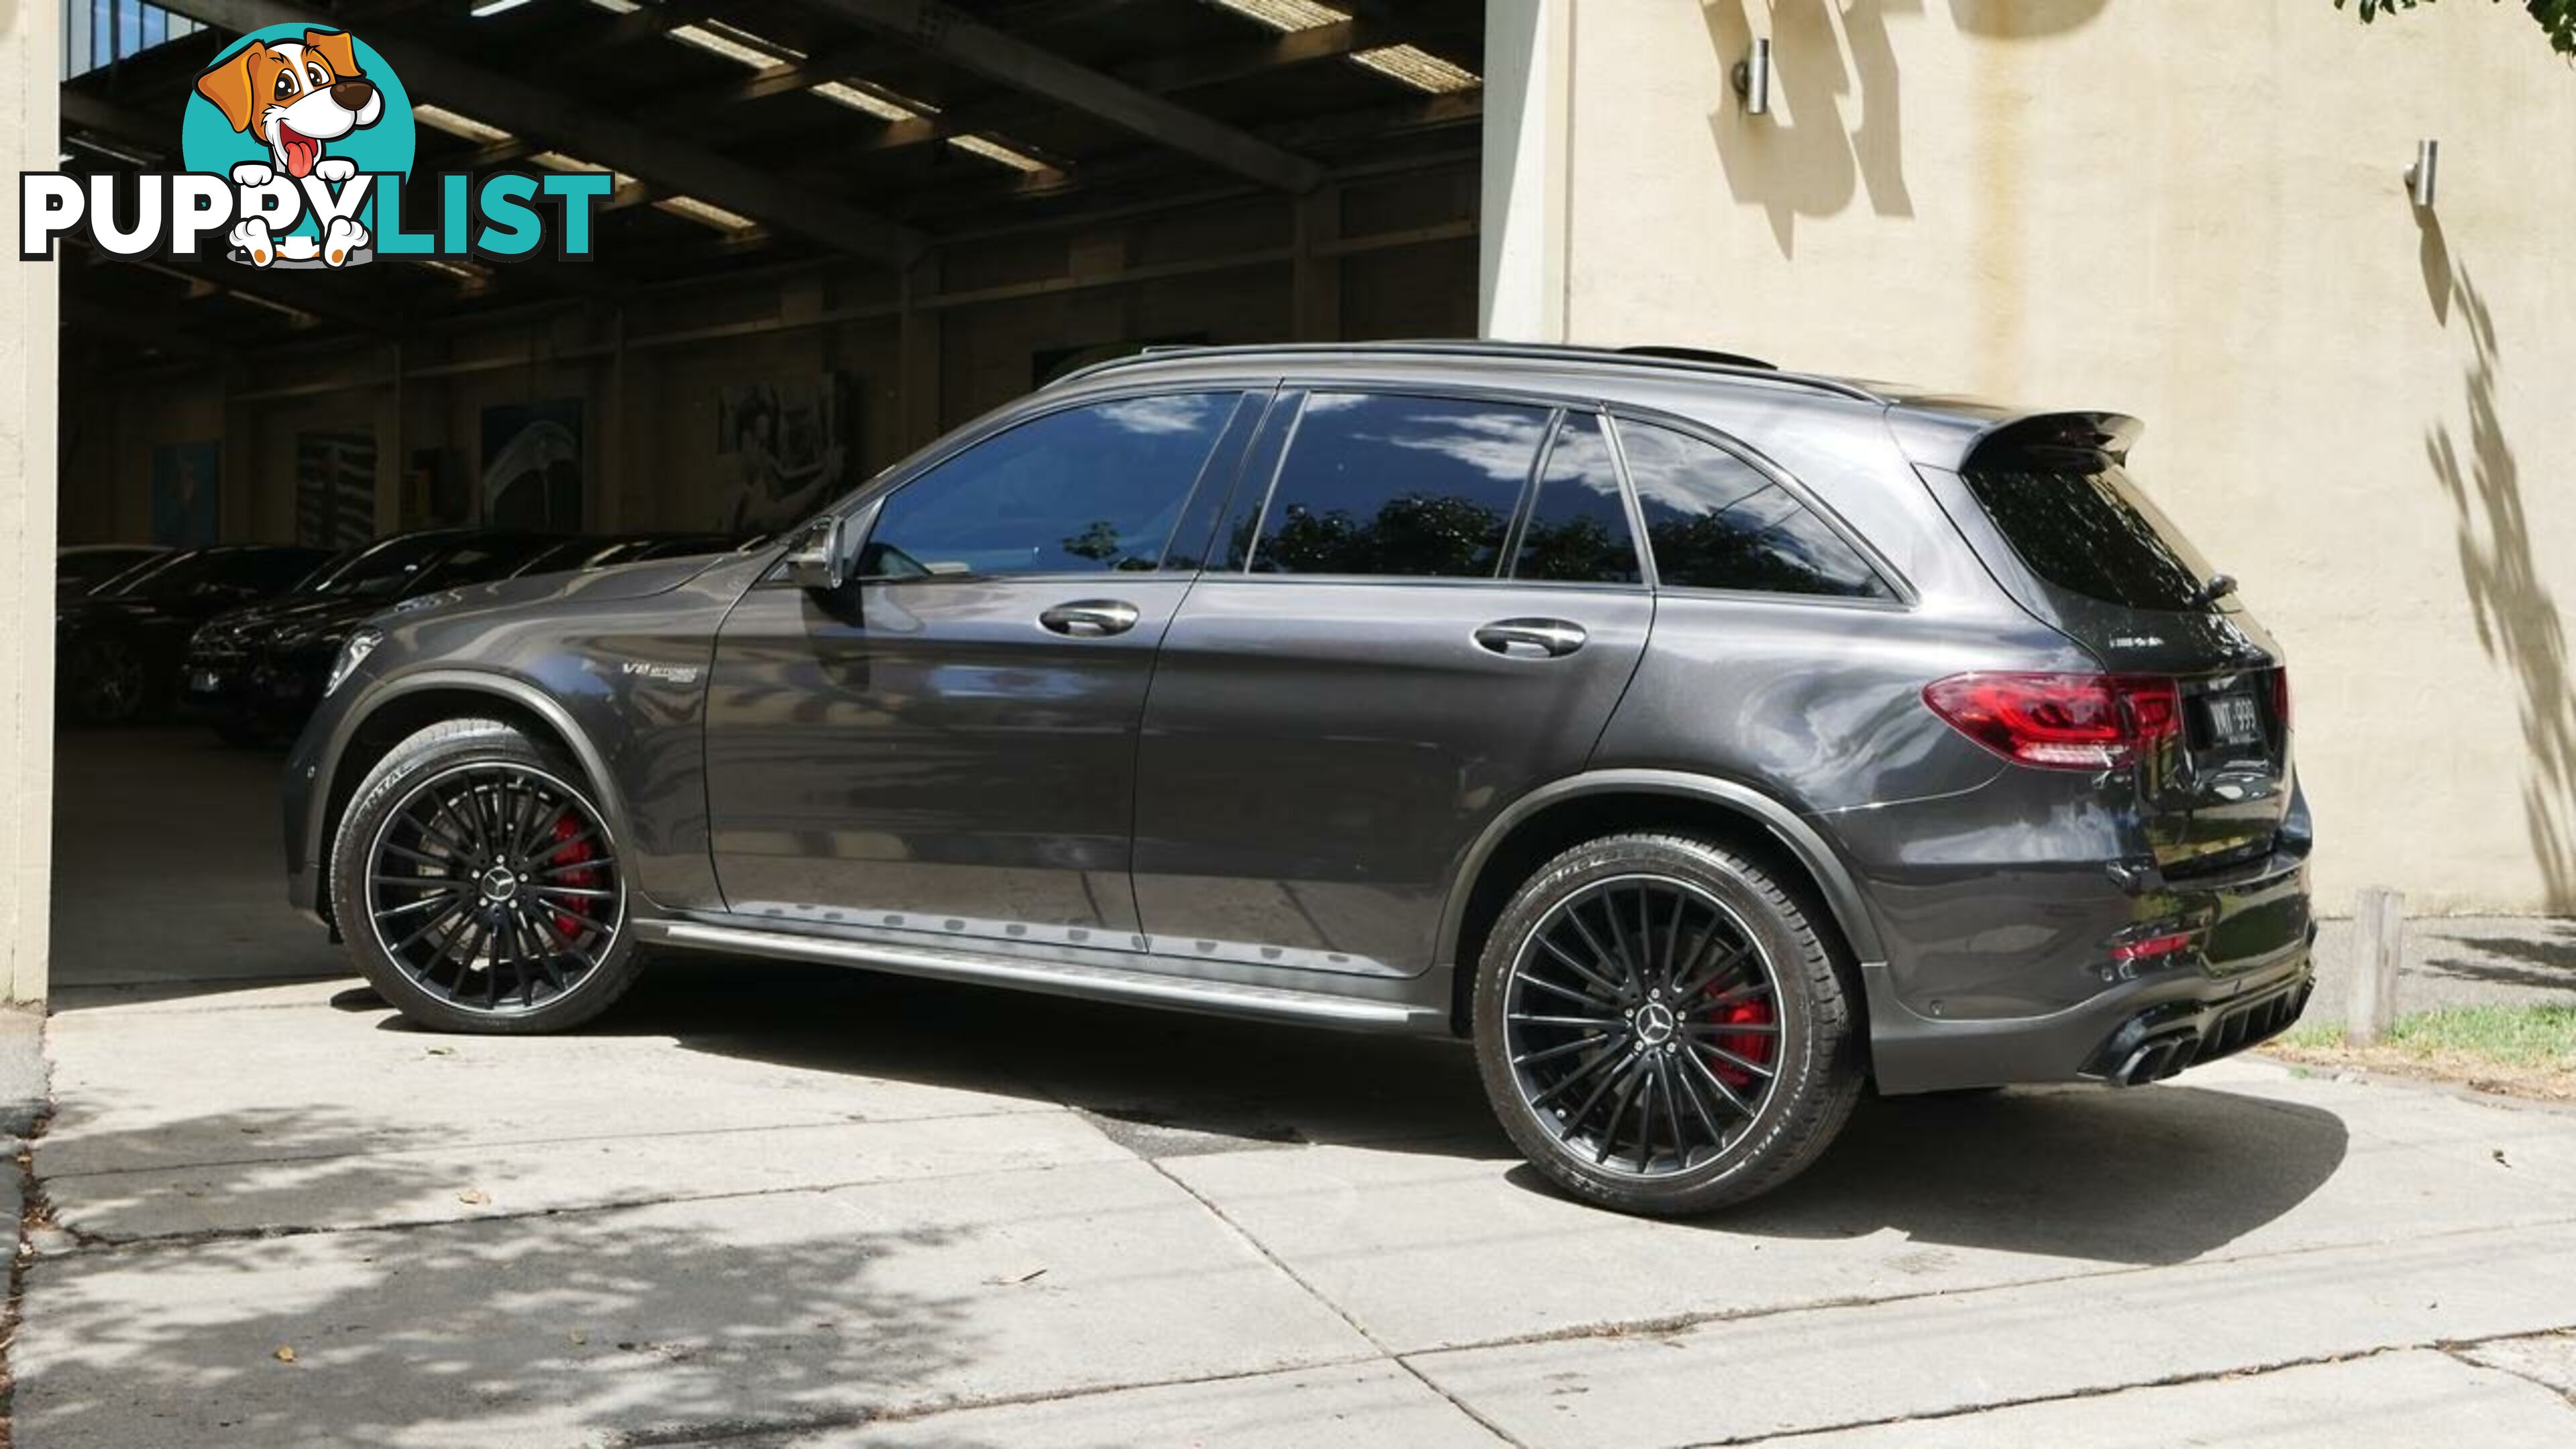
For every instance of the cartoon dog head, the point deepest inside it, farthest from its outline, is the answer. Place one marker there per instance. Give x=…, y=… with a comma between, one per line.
x=294, y=95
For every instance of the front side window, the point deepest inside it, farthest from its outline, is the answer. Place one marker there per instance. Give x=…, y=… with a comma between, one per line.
x=1396, y=486
x=1714, y=521
x=1089, y=489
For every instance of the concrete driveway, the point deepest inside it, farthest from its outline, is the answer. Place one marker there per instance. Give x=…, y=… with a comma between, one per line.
x=805, y=1208
x=769, y=1206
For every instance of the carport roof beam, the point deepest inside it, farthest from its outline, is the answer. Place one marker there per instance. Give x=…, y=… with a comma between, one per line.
x=665, y=160
x=969, y=43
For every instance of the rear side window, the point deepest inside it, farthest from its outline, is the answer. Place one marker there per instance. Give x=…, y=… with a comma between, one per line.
x=1714, y=521
x=1578, y=525
x=1413, y=487
x=2087, y=529
x=1089, y=489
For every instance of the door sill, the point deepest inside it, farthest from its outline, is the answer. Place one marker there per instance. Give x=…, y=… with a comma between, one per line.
x=1058, y=977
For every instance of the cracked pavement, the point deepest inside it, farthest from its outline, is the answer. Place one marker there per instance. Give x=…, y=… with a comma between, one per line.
x=786, y=1207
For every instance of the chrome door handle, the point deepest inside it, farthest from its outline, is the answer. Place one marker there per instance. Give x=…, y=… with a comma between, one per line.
x=1090, y=618
x=1531, y=638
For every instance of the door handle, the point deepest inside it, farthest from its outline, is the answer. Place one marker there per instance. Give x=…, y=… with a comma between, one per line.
x=1531, y=638
x=1090, y=618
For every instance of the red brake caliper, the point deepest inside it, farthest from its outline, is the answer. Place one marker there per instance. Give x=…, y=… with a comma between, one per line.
x=573, y=919
x=1751, y=1046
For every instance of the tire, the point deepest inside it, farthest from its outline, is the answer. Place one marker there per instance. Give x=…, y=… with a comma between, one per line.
x=113, y=686
x=1754, y=1064
x=542, y=945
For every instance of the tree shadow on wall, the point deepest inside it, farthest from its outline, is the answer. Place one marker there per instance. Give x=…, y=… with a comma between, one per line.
x=2518, y=619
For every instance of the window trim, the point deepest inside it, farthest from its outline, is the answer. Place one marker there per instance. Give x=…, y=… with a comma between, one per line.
x=1905, y=596
x=1645, y=556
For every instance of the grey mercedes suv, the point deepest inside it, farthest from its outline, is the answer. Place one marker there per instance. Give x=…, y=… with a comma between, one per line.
x=1704, y=742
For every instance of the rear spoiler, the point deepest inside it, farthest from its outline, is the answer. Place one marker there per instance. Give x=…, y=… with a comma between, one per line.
x=2054, y=440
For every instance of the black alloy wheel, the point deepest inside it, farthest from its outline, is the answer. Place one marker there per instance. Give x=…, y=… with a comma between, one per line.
x=493, y=888
x=479, y=883
x=1661, y=1029
x=1641, y=1021
x=109, y=685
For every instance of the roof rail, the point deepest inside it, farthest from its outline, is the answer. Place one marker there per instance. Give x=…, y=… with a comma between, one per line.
x=1701, y=354
x=1662, y=359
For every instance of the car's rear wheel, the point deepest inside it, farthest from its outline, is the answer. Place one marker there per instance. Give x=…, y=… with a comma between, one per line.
x=1661, y=1029
x=478, y=884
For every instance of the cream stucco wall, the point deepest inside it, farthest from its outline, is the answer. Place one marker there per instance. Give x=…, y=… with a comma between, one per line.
x=2189, y=210
x=29, y=42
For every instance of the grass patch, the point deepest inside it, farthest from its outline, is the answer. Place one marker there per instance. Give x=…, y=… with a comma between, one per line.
x=2527, y=1051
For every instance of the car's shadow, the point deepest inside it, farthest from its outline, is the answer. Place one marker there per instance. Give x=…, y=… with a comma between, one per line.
x=2154, y=1175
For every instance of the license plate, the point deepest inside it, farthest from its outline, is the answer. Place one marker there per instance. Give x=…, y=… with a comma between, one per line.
x=2233, y=720
x=205, y=681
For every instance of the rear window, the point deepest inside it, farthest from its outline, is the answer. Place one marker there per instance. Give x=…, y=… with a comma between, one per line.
x=2088, y=529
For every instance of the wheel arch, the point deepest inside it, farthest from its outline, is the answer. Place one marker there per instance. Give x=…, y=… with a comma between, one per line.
x=400, y=708
x=1549, y=820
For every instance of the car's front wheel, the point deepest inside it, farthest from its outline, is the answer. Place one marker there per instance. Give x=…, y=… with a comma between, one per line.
x=111, y=683
x=1661, y=1029
x=478, y=885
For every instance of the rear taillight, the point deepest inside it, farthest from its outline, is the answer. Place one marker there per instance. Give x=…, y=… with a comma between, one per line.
x=2281, y=699
x=2060, y=721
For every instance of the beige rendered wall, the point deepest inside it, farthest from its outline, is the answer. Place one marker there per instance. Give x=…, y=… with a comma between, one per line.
x=30, y=40
x=2193, y=211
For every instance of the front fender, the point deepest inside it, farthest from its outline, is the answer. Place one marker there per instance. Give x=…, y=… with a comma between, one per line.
x=323, y=775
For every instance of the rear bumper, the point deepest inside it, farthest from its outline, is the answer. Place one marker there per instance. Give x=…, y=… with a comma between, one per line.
x=2246, y=977
x=2162, y=1040
x=2136, y=1032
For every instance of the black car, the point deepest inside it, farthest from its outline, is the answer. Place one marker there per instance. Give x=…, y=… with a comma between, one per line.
x=1705, y=743
x=636, y=548
x=253, y=674
x=117, y=648
x=81, y=568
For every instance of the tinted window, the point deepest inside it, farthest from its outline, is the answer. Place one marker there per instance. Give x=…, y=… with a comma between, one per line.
x=1083, y=490
x=145, y=577
x=1413, y=486
x=1715, y=521
x=266, y=570
x=81, y=570
x=1578, y=526
x=479, y=561
x=2090, y=530
x=385, y=570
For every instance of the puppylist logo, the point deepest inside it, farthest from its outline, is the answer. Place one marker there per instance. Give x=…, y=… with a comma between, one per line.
x=297, y=142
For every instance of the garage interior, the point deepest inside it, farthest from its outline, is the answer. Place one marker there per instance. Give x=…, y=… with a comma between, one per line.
x=876, y=224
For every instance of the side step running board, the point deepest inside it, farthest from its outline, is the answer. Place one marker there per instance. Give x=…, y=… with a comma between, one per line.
x=1104, y=983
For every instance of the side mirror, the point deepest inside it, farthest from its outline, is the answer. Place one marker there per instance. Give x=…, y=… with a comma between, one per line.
x=817, y=559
